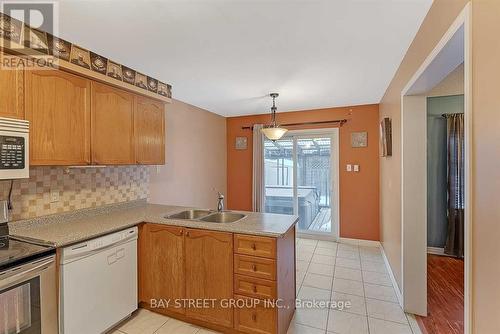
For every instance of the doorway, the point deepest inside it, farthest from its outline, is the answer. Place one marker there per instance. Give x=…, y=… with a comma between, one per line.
x=450, y=53
x=301, y=178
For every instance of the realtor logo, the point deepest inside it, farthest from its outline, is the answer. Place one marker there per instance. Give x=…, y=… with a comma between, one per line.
x=25, y=27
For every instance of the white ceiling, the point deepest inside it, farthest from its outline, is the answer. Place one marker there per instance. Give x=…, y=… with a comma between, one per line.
x=226, y=56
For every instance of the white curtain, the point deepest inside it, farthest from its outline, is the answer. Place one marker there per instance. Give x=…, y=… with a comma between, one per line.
x=258, y=185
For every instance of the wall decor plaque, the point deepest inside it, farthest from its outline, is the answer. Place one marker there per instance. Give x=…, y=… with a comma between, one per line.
x=114, y=70
x=35, y=39
x=10, y=28
x=152, y=84
x=140, y=80
x=98, y=63
x=80, y=56
x=241, y=143
x=386, y=137
x=59, y=47
x=359, y=139
x=128, y=75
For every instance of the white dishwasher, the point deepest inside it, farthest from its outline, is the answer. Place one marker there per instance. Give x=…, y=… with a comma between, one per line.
x=98, y=283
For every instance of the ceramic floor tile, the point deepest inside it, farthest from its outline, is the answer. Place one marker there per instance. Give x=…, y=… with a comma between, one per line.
x=380, y=292
x=347, y=273
x=347, y=323
x=370, y=250
x=304, y=256
x=376, y=278
x=318, y=281
x=308, y=242
x=177, y=327
x=312, y=317
x=348, y=286
x=306, y=248
x=373, y=266
x=321, y=269
x=296, y=328
x=357, y=303
x=323, y=259
x=372, y=257
x=349, y=248
x=348, y=263
x=310, y=293
x=301, y=265
x=206, y=331
x=299, y=276
x=385, y=311
x=327, y=244
x=348, y=254
x=378, y=326
x=143, y=322
x=325, y=251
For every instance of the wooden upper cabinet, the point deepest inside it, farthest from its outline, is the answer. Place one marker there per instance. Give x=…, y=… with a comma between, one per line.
x=209, y=274
x=58, y=108
x=149, y=121
x=112, y=126
x=11, y=92
x=161, y=264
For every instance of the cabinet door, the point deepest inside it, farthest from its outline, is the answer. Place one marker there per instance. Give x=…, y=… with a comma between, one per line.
x=149, y=120
x=112, y=126
x=161, y=265
x=11, y=91
x=58, y=108
x=209, y=274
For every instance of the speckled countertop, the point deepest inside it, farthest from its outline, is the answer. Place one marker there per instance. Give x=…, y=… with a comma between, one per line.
x=72, y=227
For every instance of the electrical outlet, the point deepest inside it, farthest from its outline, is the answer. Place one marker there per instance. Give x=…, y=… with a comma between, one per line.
x=54, y=196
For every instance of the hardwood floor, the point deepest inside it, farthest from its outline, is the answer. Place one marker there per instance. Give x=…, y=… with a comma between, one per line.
x=445, y=295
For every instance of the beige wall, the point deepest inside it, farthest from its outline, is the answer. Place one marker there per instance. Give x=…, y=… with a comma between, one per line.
x=485, y=154
x=438, y=20
x=195, y=158
x=453, y=84
x=486, y=166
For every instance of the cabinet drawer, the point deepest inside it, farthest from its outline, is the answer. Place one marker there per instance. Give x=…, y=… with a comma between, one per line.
x=254, y=287
x=254, y=245
x=256, y=320
x=255, y=266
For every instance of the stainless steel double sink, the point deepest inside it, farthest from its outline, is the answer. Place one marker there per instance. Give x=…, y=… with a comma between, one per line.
x=208, y=216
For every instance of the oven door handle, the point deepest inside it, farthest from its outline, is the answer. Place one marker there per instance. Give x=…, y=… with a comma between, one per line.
x=24, y=272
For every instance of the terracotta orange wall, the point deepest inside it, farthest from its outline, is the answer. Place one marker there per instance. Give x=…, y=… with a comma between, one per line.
x=359, y=192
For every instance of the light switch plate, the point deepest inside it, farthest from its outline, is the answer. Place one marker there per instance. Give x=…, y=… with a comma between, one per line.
x=349, y=168
x=356, y=168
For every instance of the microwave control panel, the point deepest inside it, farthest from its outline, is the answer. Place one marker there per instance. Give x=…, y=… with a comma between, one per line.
x=12, y=152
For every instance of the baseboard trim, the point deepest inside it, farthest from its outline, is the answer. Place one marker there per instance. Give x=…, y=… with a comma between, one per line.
x=393, y=278
x=435, y=250
x=412, y=320
x=360, y=242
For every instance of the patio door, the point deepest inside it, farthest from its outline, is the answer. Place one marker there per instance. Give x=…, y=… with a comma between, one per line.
x=301, y=178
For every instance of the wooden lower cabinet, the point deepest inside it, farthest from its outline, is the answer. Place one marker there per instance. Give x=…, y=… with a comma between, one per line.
x=195, y=265
x=161, y=265
x=209, y=274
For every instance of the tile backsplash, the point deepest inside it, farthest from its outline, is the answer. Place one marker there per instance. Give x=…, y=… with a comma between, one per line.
x=52, y=190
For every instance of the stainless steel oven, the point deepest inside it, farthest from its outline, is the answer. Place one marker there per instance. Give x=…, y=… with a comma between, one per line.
x=28, y=298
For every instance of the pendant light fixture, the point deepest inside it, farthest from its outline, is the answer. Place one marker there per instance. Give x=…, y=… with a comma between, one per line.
x=273, y=131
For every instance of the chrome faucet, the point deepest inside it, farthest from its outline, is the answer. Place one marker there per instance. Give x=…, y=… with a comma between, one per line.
x=220, y=202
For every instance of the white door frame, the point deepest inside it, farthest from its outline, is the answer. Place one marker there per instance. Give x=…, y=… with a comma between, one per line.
x=333, y=133
x=413, y=181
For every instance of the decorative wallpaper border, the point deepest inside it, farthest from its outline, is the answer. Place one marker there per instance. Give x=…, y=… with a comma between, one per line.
x=42, y=42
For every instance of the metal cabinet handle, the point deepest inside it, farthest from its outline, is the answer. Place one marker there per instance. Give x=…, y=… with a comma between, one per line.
x=187, y=233
x=254, y=246
x=254, y=267
x=181, y=232
x=255, y=289
x=254, y=316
